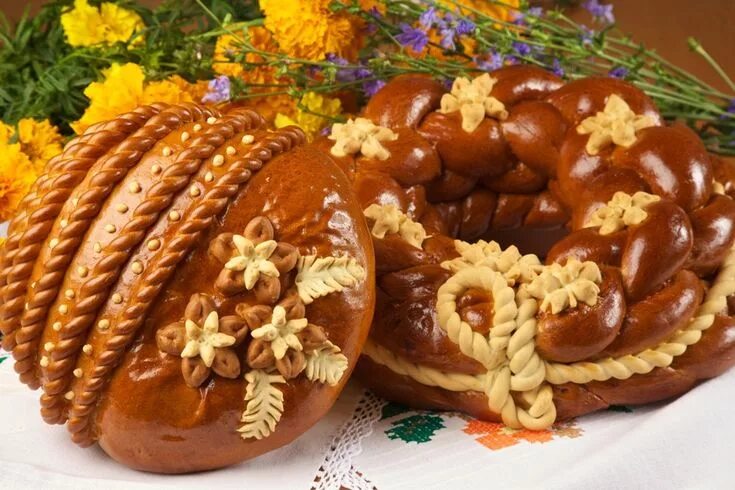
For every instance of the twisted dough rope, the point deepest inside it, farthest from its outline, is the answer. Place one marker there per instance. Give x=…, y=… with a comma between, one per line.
x=663, y=355
x=540, y=399
x=510, y=352
x=95, y=290
x=25, y=244
x=165, y=262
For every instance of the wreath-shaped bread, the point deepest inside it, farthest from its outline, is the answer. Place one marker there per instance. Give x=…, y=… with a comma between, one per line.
x=631, y=216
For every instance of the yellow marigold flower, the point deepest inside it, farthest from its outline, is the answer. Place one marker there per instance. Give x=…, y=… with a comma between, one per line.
x=119, y=92
x=123, y=89
x=164, y=91
x=6, y=133
x=16, y=177
x=225, y=49
x=309, y=29
x=314, y=116
x=120, y=24
x=272, y=107
x=40, y=140
x=85, y=25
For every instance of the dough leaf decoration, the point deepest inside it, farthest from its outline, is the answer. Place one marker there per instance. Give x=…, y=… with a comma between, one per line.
x=326, y=364
x=264, y=404
x=320, y=276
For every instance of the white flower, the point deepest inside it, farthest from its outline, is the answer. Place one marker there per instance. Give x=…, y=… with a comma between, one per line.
x=565, y=286
x=281, y=332
x=202, y=341
x=252, y=259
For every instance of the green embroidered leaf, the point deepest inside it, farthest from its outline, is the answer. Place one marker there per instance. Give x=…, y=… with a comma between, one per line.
x=264, y=404
x=418, y=428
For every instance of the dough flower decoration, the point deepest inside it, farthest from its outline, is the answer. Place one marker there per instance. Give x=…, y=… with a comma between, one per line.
x=516, y=268
x=617, y=124
x=281, y=336
x=284, y=345
x=204, y=341
x=361, y=135
x=565, y=286
x=621, y=211
x=388, y=218
x=253, y=261
x=473, y=101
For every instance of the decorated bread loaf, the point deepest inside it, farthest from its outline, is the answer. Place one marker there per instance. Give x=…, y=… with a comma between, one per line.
x=187, y=288
x=543, y=249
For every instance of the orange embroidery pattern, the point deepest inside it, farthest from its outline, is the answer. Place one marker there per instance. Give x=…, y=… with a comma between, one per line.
x=497, y=436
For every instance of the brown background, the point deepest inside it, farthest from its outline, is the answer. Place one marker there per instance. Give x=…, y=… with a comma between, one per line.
x=663, y=24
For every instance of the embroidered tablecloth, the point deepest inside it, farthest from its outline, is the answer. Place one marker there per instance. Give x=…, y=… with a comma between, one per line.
x=367, y=443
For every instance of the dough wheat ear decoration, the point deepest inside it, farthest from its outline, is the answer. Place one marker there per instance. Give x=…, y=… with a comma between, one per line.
x=284, y=343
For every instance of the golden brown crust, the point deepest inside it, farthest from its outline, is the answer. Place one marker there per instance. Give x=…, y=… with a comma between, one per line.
x=123, y=245
x=640, y=204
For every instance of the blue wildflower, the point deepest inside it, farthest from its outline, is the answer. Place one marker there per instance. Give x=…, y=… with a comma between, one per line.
x=219, y=90
x=414, y=38
x=618, y=72
x=602, y=13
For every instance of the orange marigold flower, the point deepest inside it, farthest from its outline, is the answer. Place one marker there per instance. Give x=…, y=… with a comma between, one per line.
x=309, y=29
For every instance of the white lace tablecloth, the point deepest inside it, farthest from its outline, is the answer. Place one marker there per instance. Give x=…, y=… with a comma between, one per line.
x=366, y=443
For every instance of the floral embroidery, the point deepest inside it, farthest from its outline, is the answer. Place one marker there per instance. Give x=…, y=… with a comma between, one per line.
x=204, y=341
x=497, y=436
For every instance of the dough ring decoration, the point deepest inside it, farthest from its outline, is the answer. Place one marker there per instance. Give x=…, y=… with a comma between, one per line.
x=624, y=291
x=187, y=288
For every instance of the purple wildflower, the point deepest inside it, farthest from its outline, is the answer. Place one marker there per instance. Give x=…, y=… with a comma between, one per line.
x=557, y=69
x=428, y=18
x=521, y=17
x=602, y=13
x=219, y=90
x=489, y=63
x=371, y=87
x=522, y=49
x=730, y=111
x=414, y=38
x=587, y=36
x=618, y=72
